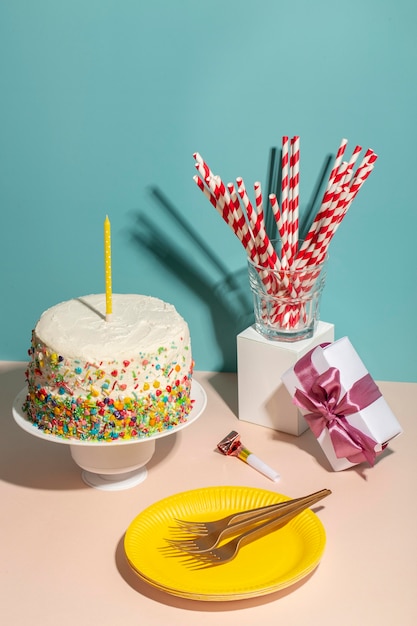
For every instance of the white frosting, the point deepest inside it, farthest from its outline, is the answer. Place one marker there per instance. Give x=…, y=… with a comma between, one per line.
x=78, y=327
x=90, y=378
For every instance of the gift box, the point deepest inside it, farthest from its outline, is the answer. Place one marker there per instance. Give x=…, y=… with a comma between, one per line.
x=263, y=398
x=342, y=404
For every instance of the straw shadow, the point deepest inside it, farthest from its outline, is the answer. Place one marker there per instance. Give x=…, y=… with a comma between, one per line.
x=228, y=297
x=273, y=185
x=313, y=205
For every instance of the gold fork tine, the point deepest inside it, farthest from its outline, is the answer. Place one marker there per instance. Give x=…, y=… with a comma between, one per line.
x=200, y=544
x=204, y=543
x=228, y=551
x=204, y=528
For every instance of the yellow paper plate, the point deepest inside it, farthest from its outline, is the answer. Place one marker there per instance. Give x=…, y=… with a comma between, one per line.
x=269, y=564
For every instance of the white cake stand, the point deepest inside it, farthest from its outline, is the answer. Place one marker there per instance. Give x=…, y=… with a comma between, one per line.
x=111, y=465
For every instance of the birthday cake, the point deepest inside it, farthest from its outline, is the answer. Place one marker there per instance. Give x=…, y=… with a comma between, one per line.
x=98, y=380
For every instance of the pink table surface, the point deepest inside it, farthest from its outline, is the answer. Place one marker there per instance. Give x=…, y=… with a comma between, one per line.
x=62, y=559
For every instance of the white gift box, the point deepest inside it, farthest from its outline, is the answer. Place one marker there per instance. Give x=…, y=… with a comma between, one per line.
x=263, y=398
x=375, y=420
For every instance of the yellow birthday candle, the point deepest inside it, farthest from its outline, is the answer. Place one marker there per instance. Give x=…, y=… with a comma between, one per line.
x=107, y=269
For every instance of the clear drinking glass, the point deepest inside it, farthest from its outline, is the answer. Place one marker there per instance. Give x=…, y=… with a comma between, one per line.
x=287, y=301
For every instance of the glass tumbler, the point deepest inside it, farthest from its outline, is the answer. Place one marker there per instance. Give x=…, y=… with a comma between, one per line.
x=287, y=300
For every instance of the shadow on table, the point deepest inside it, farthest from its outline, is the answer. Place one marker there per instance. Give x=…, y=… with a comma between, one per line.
x=308, y=443
x=25, y=460
x=29, y=461
x=147, y=590
x=226, y=386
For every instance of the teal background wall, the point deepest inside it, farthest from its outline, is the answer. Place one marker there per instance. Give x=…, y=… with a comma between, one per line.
x=103, y=103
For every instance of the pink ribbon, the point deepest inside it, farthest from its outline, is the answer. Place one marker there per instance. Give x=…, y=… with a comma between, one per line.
x=327, y=409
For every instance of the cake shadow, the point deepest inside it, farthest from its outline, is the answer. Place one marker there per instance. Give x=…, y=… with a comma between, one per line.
x=32, y=462
x=25, y=460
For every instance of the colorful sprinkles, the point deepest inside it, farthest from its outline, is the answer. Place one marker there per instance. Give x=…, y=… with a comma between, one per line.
x=135, y=398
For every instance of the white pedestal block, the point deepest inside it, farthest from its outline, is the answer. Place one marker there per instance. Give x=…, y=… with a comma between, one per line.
x=263, y=398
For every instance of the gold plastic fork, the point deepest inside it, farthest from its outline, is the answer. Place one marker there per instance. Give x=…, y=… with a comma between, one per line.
x=190, y=527
x=281, y=512
x=228, y=551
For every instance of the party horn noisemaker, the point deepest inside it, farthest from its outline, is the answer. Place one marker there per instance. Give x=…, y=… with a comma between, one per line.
x=232, y=446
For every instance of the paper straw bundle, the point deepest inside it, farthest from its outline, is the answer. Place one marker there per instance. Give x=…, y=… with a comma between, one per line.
x=248, y=223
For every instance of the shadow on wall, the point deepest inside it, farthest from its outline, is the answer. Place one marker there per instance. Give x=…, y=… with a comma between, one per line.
x=229, y=299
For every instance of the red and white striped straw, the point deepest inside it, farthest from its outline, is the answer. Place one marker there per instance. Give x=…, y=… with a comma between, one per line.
x=341, y=171
x=294, y=193
x=206, y=173
x=265, y=252
x=326, y=205
x=369, y=159
x=259, y=203
x=233, y=220
x=218, y=189
x=277, y=214
x=351, y=192
x=217, y=201
x=214, y=187
x=316, y=245
x=248, y=238
x=248, y=221
x=336, y=215
x=285, y=184
x=337, y=162
x=265, y=249
x=285, y=253
x=220, y=199
x=211, y=197
x=351, y=164
x=224, y=197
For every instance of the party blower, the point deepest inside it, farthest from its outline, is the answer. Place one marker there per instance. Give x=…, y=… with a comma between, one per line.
x=231, y=445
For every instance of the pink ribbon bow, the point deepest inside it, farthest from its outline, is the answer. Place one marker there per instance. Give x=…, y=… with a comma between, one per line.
x=327, y=409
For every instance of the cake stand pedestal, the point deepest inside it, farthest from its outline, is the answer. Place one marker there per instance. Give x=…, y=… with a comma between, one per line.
x=112, y=465
x=115, y=467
